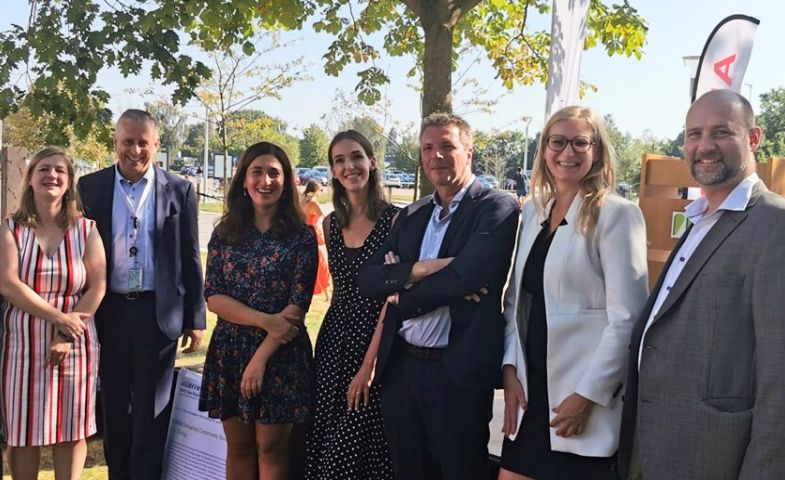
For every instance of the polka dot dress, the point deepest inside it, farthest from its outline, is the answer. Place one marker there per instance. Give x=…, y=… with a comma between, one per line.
x=345, y=444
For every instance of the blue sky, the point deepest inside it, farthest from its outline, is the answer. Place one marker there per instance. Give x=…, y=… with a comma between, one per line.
x=650, y=94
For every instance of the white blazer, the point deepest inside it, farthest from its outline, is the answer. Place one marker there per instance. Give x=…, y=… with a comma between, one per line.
x=595, y=289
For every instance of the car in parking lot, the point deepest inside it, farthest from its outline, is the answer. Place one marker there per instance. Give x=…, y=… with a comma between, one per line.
x=488, y=180
x=391, y=180
x=407, y=180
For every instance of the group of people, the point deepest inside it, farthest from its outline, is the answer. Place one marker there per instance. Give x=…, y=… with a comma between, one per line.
x=433, y=306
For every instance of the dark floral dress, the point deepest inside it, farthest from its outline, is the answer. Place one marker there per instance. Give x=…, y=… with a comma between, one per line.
x=267, y=274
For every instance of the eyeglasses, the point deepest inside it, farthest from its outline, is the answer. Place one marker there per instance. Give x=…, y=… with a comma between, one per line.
x=558, y=143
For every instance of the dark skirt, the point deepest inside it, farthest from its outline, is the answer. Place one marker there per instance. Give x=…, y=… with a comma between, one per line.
x=286, y=395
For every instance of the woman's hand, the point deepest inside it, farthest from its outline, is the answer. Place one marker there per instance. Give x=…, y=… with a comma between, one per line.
x=253, y=375
x=58, y=350
x=572, y=415
x=514, y=399
x=282, y=326
x=72, y=324
x=360, y=388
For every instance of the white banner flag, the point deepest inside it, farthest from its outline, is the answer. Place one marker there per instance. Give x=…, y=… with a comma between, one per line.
x=726, y=55
x=568, y=31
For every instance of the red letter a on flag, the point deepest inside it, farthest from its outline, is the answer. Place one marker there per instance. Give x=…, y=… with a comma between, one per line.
x=722, y=68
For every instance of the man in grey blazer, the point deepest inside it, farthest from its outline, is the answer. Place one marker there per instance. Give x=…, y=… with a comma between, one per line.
x=147, y=220
x=705, y=395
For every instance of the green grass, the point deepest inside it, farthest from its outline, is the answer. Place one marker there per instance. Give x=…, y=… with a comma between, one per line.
x=95, y=467
x=214, y=207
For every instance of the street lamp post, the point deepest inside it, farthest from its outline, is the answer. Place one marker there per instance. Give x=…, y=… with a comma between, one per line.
x=691, y=63
x=526, y=121
x=206, y=152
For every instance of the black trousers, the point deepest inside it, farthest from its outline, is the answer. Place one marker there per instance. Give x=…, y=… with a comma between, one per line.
x=137, y=364
x=435, y=428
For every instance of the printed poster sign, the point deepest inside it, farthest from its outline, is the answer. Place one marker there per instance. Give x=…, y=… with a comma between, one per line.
x=195, y=446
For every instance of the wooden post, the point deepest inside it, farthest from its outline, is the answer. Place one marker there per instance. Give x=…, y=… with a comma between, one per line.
x=13, y=162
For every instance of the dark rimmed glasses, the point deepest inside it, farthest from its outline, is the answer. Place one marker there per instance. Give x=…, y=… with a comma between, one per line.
x=580, y=144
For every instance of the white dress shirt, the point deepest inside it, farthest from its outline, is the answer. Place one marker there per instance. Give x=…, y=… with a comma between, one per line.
x=433, y=329
x=697, y=213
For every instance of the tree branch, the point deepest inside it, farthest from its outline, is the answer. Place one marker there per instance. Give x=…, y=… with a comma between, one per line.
x=415, y=6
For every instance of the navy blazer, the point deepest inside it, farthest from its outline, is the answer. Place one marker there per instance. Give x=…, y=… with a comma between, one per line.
x=481, y=237
x=179, y=286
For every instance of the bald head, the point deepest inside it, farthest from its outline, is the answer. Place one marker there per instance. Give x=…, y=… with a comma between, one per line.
x=720, y=142
x=736, y=104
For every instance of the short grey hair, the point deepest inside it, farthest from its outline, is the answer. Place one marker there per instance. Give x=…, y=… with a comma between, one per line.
x=138, y=116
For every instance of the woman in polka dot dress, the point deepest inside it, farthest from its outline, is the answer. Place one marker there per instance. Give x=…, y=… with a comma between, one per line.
x=346, y=439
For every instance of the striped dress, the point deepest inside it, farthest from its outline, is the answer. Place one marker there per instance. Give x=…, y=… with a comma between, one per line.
x=44, y=404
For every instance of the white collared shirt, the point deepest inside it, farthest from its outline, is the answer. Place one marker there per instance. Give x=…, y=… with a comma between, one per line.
x=697, y=213
x=123, y=232
x=433, y=329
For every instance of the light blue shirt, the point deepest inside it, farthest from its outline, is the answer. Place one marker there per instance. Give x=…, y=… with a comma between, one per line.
x=124, y=236
x=432, y=330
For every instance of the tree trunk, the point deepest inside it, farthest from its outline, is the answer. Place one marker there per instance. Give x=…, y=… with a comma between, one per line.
x=437, y=70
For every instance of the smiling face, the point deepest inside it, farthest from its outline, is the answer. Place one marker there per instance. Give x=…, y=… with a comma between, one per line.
x=719, y=143
x=135, y=145
x=351, y=166
x=445, y=159
x=50, y=178
x=264, y=182
x=569, y=167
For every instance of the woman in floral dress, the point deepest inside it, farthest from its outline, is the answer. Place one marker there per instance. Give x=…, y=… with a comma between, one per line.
x=261, y=268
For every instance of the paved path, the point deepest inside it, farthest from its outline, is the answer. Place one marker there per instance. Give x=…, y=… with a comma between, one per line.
x=207, y=221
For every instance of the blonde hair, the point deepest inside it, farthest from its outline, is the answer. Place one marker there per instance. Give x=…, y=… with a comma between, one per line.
x=598, y=183
x=71, y=208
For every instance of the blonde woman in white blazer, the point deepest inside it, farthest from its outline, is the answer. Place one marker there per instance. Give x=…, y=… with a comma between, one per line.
x=578, y=283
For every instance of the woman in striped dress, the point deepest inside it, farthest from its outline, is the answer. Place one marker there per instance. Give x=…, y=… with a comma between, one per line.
x=53, y=277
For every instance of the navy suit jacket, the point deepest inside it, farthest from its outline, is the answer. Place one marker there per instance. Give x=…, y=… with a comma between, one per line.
x=481, y=237
x=178, y=269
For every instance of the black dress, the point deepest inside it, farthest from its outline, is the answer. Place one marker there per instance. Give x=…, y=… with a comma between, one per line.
x=530, y=453
x=343, y=444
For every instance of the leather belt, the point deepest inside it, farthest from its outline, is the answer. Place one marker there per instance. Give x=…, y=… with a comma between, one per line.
x=423, y=353
x=131, y=296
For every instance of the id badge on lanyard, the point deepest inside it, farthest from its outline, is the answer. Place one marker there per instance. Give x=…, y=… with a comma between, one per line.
x=135, y=279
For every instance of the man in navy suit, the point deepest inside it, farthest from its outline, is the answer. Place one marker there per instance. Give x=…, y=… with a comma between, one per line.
x=147, y=220
x=443, y=269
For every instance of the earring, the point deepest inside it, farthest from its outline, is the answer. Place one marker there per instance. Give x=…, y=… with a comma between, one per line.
x=245, y=192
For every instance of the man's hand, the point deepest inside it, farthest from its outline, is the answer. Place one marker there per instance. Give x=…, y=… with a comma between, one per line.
x=476, y=297
x=196, y=340
x=572, y=415
x=391, y=258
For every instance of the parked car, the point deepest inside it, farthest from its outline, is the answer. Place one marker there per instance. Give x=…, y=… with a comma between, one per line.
x=391, y=180
x=407, y=180
x=489, y=181
x=485, y=182
x=320, y=176
x=302, y=175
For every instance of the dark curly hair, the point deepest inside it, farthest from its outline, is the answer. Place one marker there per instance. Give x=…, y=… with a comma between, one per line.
x=238, y=213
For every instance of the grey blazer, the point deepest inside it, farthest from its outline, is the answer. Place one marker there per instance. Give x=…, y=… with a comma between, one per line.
x=709, y=399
